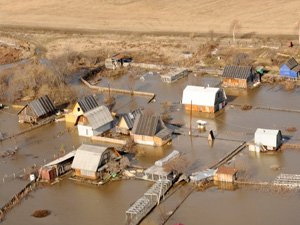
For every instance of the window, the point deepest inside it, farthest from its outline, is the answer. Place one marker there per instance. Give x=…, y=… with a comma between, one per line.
x=78, y=109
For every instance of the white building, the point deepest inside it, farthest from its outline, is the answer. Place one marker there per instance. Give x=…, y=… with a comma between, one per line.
x=95, y=122
x=203, y=99
x=266, y=139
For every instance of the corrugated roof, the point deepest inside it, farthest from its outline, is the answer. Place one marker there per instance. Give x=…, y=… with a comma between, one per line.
x=42, y=106
x=203, y=96
x=226, y=170
x=130, y=117
x=240, y=72
x=291, y=63
x=61, y=159
x=99, y=116
x=88, y=103
x=266, y=137
x=88, y=157
x=146, y=125
x=163, y=133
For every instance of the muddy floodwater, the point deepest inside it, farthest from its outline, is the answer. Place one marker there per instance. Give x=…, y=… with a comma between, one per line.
x=76, y=204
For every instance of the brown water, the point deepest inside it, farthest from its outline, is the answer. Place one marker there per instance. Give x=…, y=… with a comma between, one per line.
x=72, y=203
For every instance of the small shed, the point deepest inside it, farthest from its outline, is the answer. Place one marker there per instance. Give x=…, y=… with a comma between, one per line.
x=126, y=121
x=89, y=159
x=174, y=75
x=117, y=61
x=266, y=139
x=203, y=99
x=290, y=69
x=150, y=130
x=95, y=122
x=82, y=106
x=239, y=76
x=37, y=110
x=225, y=174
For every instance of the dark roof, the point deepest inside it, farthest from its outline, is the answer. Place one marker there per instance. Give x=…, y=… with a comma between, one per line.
x=146, y=125
x=41, y=106
x=130, y=117
x=88, y=103
x=241, y=72
x=164, y=132
x=291, y=63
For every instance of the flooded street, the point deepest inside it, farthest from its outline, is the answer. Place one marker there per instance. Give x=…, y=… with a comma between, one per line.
x=76, y=204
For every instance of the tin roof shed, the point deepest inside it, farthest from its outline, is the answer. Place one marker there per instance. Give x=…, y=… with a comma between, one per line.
x=268, y=137
x=198, y=95
x=98, y=117
x=87, y=103
x=239, y=72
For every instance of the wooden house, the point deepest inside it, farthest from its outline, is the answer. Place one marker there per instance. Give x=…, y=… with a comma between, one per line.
x=82, y=106
x=266, y=140
x=37, y=110
x=95, y=122
x=150, y=130
x=126, y=121
x=239, y=76
x=225, y=174
x=203, y=99
x=290, y=69
x=117, y=61
x=90, y=161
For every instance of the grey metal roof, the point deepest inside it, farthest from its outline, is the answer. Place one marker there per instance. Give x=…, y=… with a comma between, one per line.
x=88, y=103
x=99, y=116
x=146, y=125
x=88, y=157
x=240, y=72
x=130, y=117
x=164, y=132
x=41, y=106
x=291, y=63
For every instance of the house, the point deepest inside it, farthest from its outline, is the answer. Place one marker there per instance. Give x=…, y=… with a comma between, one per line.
x=225, y=174
x=117, y=61
x=90, y=161
x=203, y=99
x=266, y=139
x=95, y=122
x=37, y=110
x=126, y=121
x=82, y=106
x=290, y=69
x=150, y=130
x=174, y=75
x=239, y=76
x=57, y=167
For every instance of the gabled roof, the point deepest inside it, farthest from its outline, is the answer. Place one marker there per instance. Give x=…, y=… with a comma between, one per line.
x=204, y=96
x=87, y=103
x=164, y=133
x=147, y=125
x=130, y=117
x=266, y=137
x=226, y=170
x=98, y=117
x=291, y=63
x=41, y=106
x=240, y=72
x=88, y=157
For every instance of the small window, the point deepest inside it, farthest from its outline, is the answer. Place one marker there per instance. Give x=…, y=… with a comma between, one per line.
x=78, y=109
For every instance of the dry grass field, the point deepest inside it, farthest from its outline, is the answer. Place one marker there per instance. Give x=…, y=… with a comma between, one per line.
x=263, y=17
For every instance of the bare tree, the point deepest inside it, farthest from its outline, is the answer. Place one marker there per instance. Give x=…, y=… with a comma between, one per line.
x=234, y=26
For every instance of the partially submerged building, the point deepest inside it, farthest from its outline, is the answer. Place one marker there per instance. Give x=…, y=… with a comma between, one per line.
x=174, y=75
x=290, y=69
x=265, y=140
x=117, y=61
x=203, y=99
x=239, y=76
x=37, y=110
x=57, y=167
x=225, y=174
x=82, y=106
x=126, y=121
x=95, y=122
x=150, y=130
x=90, y=161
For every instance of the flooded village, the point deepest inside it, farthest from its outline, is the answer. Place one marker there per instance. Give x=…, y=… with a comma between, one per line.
x=148, y=129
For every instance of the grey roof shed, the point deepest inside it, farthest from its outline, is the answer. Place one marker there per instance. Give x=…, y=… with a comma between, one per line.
x=88, y=103
x=239, y=72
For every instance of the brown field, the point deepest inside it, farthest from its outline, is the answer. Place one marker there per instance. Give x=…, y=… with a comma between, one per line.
x=263, y=17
